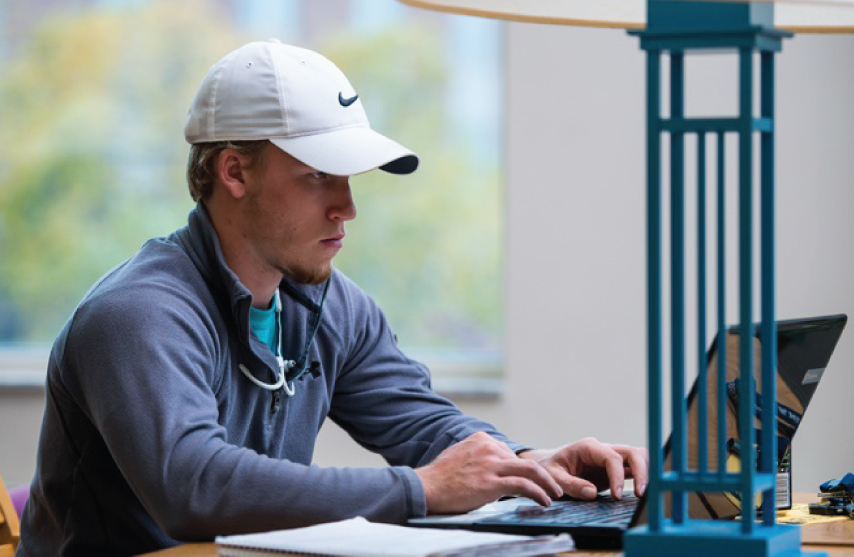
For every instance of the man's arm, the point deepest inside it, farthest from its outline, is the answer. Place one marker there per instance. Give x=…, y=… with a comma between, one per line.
x=383, y=399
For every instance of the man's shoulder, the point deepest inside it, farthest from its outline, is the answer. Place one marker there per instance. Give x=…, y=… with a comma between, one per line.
x=347, y=294
x=345, y=283
x=159, y=278
x=158, y=261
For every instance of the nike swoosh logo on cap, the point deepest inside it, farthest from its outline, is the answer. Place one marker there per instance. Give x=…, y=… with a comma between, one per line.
x=347, y=102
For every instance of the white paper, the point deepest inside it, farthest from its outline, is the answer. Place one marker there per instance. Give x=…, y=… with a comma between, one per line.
x=357, y=537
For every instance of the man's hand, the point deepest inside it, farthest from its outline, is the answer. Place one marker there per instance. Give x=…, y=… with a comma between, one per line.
x=585, y=467
x=478, y=470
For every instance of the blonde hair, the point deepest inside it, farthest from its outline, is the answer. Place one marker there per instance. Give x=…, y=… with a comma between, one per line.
x=200, y=164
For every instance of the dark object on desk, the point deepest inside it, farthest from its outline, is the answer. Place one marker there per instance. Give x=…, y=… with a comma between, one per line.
x=837, y=497
x=844, y=484
x=804, y=348
x=832, y=508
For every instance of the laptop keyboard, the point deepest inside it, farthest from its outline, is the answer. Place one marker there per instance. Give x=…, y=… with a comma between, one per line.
x=602, y=510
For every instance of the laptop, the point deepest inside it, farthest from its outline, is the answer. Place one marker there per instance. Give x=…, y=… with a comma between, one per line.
x=804, y=347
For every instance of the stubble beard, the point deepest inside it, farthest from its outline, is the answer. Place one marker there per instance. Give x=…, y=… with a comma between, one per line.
x=302, y=275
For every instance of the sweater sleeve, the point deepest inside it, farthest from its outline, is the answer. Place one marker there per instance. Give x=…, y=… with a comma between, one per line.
x=384, y=399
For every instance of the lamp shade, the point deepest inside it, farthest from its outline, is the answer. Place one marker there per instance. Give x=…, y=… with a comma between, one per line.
x=802, y=16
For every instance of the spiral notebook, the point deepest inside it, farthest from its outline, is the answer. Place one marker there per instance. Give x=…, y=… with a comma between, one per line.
x=358, y=537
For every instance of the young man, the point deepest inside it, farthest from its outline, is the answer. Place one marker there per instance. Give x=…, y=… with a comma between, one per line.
x=185, y=393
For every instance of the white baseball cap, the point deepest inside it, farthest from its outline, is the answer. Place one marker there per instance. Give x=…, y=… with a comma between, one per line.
x=298, y=100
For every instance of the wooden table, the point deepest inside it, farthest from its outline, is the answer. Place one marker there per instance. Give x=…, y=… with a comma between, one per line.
x=836, y=539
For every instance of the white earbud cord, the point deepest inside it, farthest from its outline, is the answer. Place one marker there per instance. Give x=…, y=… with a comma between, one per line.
x=284, y=365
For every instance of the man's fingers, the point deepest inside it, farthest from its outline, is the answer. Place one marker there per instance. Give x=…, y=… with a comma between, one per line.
x=533, y=472
x=480, y=469
x=616, y=473
x=518, y=485
x=575, y=486
x=638, y=465
x=588, y=465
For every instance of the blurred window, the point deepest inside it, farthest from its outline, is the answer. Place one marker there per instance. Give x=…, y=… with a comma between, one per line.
x=93, y=95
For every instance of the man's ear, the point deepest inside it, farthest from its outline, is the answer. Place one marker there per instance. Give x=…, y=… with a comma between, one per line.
x=230, y=170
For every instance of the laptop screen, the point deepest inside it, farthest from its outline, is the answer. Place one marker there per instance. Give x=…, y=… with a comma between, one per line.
x=804, y=348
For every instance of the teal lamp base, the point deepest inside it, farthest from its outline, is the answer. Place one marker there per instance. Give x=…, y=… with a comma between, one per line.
x=713, y=539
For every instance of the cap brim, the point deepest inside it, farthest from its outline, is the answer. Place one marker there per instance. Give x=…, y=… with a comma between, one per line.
x=349, y=151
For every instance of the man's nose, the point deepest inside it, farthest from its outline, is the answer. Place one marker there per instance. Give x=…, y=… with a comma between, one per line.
x=343, y=207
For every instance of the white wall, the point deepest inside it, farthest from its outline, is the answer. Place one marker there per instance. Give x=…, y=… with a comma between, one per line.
x=815, y=227
x=20, y=422
x=575, y=249
x=575, y=207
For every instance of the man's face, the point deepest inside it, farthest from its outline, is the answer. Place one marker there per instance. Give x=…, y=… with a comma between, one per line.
x=293, y=216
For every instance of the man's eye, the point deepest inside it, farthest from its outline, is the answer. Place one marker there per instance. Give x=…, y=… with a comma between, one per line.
x=319, y=175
